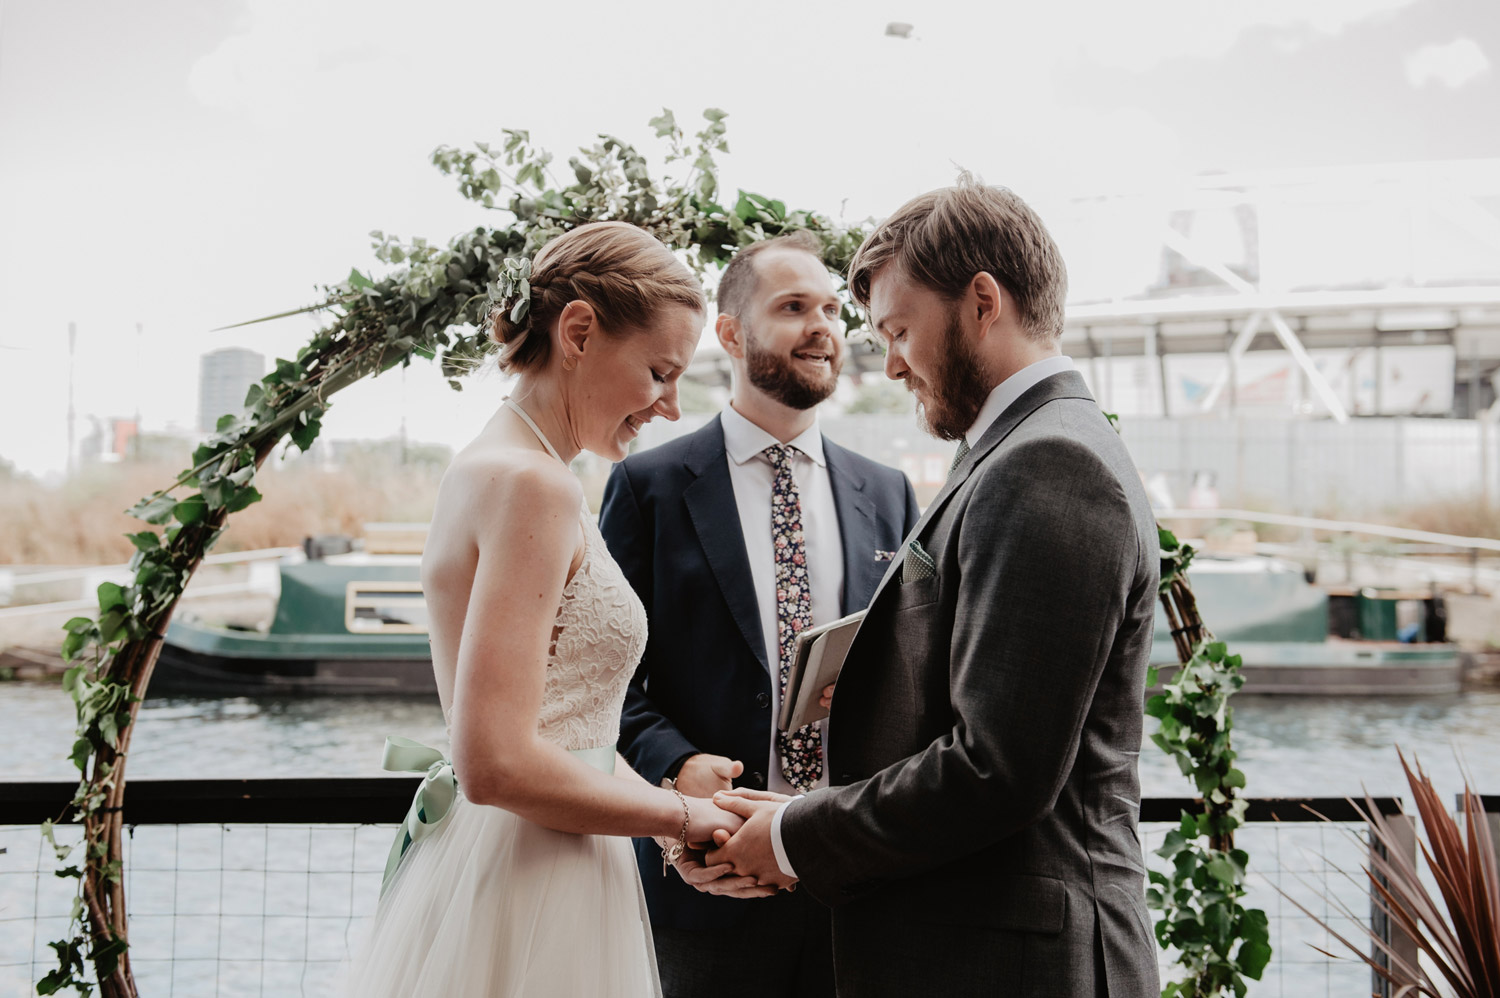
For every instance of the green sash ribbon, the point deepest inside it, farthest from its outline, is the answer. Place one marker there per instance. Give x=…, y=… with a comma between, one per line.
x=439, y=789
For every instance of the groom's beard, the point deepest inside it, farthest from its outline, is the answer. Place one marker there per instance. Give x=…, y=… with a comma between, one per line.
x=951, y=401
x=775, y=375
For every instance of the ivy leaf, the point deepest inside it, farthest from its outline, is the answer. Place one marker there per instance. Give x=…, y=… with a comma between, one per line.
x=110, y=596
x=71, y=646
x=1173, y=844
x=216, y=492
x=1222, y=870
x=82, y=749
x=107, y=957
x=54, y=982
x=1253, y=956
x=71, y=679
x=304, y=433
x=146, y=540
x=154, y=510
x=191, y=510
x=242, y=498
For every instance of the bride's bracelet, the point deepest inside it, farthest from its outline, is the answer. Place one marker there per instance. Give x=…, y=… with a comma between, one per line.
x=672, y=853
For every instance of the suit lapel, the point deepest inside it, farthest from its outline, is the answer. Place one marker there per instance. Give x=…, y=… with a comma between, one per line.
x=715, y=516
x=1065, y=384
x=856, y=512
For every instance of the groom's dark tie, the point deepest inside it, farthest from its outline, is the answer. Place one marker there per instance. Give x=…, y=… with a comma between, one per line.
x=801, y=750
x=959, y=455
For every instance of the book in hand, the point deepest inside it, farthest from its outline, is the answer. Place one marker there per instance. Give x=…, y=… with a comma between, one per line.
x=816, y=663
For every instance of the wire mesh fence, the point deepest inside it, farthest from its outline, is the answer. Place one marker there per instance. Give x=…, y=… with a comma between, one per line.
x=278, y=907
x=225, y=910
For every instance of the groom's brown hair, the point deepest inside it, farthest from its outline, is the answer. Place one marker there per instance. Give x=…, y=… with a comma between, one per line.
x=944, y=237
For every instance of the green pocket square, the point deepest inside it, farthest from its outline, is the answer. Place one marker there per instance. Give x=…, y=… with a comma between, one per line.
x=917, y=564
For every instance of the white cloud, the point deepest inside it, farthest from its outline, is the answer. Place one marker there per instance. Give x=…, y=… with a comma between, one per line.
x=1460, y=61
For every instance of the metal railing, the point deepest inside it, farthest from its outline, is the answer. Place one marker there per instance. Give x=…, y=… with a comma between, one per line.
x=264, y=887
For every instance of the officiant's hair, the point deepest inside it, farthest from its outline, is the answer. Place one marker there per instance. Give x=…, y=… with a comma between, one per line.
x=944, y=237
x=738, y=284
x=623, y=271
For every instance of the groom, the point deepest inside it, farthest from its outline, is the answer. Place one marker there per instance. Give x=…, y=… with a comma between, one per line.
x=735, y=537
x=980, y=834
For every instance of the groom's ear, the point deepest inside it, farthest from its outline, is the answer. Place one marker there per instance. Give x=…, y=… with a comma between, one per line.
x=986, y=302
x=731, y=335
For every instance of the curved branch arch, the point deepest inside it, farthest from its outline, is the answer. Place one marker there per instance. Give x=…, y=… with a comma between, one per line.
x=431, y=305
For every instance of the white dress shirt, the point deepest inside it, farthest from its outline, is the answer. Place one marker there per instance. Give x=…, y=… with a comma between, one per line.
x=752, y=475
x=1001, y=397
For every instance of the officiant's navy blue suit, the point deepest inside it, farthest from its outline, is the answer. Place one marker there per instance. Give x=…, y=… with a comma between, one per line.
x=704, y=684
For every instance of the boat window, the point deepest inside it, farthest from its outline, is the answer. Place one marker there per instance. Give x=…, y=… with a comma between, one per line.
x=385, y=608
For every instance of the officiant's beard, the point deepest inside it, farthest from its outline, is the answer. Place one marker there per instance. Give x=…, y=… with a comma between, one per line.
x=774, y=375
x=950, y=402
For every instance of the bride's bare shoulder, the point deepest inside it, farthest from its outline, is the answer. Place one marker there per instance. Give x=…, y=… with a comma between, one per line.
x=488, y=478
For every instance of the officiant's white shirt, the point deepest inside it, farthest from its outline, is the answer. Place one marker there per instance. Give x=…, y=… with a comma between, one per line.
x=1001, y=397
x=752, y=475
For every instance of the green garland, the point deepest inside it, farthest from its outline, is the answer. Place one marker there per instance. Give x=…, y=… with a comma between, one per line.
x=432, y=304
x=1201, y=914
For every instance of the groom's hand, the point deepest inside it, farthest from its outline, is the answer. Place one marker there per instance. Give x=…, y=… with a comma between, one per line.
x=704, y=775
x=719, y=879
x=748, y=852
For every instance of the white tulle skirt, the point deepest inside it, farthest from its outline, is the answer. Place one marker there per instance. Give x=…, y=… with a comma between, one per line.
x=493, y=906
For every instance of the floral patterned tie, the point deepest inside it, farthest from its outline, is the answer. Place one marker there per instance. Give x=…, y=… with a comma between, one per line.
x=801, y=750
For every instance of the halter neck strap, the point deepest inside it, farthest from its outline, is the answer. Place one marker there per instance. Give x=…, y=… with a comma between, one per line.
x=525, y=418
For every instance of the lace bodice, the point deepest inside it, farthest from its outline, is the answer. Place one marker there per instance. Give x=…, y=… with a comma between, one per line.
x=598, y=641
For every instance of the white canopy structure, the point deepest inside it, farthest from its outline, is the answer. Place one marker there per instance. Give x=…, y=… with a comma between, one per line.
x=1362, y=258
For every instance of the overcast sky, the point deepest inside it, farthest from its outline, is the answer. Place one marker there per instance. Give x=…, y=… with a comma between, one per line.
x=189, y=164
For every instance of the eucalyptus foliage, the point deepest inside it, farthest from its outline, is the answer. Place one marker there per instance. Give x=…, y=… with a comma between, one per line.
x=1219, y=943
x=430, y=303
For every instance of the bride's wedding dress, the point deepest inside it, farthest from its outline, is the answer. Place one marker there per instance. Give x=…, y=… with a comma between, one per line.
x=492, y=905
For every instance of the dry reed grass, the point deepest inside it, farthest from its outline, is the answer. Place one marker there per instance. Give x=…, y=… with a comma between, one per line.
x=83, y=522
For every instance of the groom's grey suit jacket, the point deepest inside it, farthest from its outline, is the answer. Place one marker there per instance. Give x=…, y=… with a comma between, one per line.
x=980, y=838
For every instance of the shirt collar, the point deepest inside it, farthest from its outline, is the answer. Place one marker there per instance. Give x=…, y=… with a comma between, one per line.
x=744, y=441
x=1003, y=395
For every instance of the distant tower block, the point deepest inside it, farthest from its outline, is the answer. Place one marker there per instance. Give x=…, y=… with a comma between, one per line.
x=223, y=378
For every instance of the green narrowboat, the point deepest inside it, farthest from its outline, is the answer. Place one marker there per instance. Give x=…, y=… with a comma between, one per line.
x=1298, y=638
x=346, y=623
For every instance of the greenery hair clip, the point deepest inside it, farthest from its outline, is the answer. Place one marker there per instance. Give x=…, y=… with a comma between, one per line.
x=512, y=290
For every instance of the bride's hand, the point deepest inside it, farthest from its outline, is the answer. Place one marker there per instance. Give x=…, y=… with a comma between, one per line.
x=705, y=817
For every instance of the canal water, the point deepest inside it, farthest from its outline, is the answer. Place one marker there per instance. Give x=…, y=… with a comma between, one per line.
x=1289, y=746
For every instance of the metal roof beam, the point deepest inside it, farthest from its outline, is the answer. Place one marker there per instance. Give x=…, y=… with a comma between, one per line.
x=1315, y=377
x=1236, y=351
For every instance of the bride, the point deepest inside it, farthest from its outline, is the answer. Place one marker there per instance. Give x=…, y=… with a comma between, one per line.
x=513, y=874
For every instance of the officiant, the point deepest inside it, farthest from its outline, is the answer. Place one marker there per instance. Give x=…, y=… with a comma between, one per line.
x=737, y=537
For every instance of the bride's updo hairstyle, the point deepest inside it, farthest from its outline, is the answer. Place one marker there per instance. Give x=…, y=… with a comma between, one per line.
x=624, y=272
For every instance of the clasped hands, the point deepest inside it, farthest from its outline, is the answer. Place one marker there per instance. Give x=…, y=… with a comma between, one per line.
x=740, y=862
